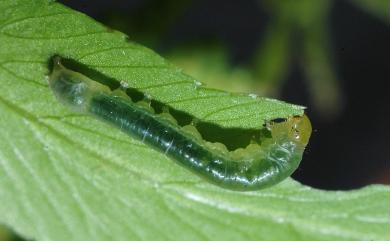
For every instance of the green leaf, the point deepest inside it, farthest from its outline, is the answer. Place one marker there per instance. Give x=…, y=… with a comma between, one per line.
x=66, y=176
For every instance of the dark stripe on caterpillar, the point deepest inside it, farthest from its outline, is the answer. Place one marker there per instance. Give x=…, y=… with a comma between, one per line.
x=254, y=167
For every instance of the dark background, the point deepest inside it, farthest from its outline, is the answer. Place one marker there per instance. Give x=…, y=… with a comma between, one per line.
x=345, y=152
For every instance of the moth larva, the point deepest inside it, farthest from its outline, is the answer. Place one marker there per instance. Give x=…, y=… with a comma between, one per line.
x=256, y=166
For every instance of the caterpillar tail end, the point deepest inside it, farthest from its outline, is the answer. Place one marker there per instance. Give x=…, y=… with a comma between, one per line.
x=70, y=88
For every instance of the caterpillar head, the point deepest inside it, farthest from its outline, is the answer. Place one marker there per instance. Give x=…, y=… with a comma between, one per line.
x=296, y=128
x=300, y=129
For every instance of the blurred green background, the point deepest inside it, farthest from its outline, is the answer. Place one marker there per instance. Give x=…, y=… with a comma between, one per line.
x=331, y=56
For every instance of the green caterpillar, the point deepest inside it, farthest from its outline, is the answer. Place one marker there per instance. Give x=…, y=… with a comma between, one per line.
x=256, y=166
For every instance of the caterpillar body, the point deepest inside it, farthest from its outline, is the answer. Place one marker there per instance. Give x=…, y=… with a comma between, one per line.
x=254, y=167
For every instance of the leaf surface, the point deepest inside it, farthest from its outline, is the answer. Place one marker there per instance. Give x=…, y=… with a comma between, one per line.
x=67, y=176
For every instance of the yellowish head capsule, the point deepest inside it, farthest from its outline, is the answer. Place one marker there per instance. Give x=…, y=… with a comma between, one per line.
x=301, y=129
x=297, y=129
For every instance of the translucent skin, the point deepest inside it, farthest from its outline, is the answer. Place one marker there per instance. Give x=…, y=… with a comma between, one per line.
x=254, y=168
x=73, y=88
